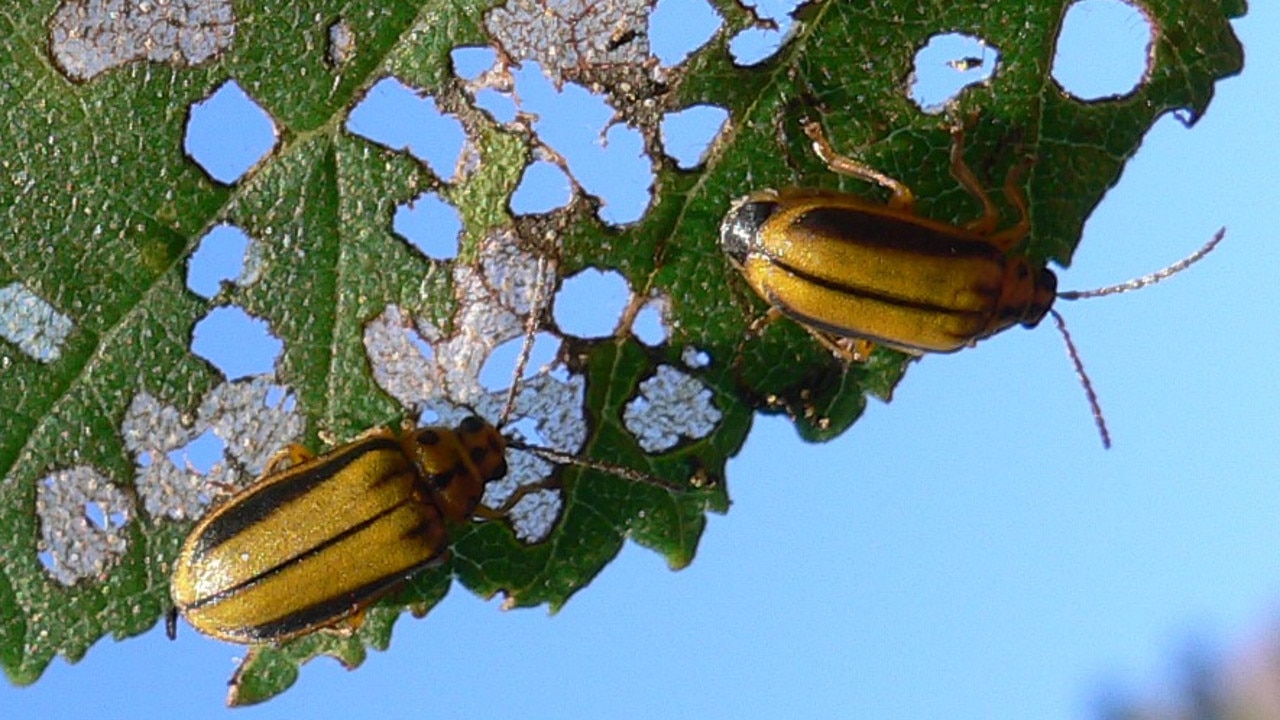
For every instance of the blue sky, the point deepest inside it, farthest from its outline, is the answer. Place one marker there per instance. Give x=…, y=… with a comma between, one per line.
x=967, y=551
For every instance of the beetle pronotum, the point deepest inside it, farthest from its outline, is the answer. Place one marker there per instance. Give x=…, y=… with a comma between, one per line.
x=857, y=273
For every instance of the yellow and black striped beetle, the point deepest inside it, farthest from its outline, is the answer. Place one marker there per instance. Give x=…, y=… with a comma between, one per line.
x=309, y=545
x=857, y=273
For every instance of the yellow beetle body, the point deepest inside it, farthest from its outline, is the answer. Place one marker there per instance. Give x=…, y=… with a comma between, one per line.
x=313, y=544
x=839, y=264
x=844, y=266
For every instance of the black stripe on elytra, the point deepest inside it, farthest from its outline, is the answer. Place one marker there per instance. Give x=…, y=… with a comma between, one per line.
x=823, y=326
x=874, y=230
x=258, y=505
x=418, y=530
x=325, y=612
x=858, y=291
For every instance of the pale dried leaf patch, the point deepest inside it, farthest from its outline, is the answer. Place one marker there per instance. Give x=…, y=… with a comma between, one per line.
x=82, y=524
x=342, y=43
x=90, y=37
x=671, y=406
x=31, y=323
x=253, y=418
x=569, y=36
x=493, y=300
x=695, y=358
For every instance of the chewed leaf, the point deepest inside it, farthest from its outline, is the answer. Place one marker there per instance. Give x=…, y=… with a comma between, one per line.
x=169, y=322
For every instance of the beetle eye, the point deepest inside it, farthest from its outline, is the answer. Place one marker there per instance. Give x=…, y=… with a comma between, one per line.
x=428, y=437
x=471, y=425
x=1048, y=281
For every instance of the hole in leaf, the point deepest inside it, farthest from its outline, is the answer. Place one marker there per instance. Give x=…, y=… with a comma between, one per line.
x=93, y=514
x=429, y=224
x=648, y=326
x=228, y=133
x=688, y=133
x=590, y=303
x=526, y=428
x=757, y=44
x=543, y=188
x=102, y=518
x=948, y=64
x=498, y=367
x=201, y=454
x=236, y=343
x=219, y=257
x=1103, y=49
x=398, y=117
x=422, y=345
x=498, y=104
x=429, y=416
x=470, y=62
x=570, y=122
x=491, y=92
x=279, y=398
x=677, y=28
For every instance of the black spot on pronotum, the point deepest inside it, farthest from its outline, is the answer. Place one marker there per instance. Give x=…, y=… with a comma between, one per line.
x=442, y=480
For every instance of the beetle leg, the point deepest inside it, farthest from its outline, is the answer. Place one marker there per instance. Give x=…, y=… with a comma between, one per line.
x=758, y=325
x=292, y=454
x=347, y=626
x=902, y=199
x=1009, y=237
x=990, y=219
x=847, y=349
x=861, y=349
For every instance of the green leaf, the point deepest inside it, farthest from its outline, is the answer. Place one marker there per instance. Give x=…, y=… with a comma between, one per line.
x=102, y=211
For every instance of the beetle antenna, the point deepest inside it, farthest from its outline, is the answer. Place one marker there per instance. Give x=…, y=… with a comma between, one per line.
x=530, y=331
x=564, y=458
x=1151, y=279
x=1098, y=420
x=550, y=454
